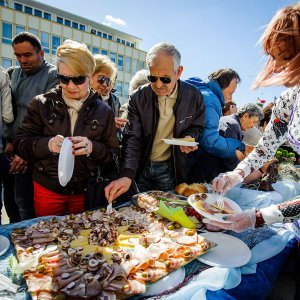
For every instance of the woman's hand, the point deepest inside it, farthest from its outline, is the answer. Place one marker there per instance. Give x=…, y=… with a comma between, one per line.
x=55, y=143
x=226, y=181
x=239, y=222
x=81, y=145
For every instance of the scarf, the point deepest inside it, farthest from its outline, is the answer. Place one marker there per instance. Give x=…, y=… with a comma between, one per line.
x=74, y=107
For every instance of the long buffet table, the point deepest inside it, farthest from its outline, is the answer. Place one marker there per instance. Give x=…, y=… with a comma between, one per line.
x=269, y=247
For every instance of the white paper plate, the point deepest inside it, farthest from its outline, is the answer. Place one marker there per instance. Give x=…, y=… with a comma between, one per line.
x=212, y=198
x=4, y=244
x=168, y=282
x=180, y=143
x=65, y=162
x=230, y=252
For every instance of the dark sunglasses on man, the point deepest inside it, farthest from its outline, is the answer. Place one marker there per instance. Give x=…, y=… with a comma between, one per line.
x=163, y=79
x=103, y=79
x=77, y=80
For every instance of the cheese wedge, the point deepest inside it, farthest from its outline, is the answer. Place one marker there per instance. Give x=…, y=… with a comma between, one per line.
x=199, y=205
x=85, y=232
x=127, y=235
x=122, y=229
x=80, y=242
x=184, y=139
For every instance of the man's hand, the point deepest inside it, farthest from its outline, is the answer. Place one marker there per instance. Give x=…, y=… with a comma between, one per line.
x=186, y=149
x=120, y=122
x=18, y=165
x=117, y=188
x=9, y=150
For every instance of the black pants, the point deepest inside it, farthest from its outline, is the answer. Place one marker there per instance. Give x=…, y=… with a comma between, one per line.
x=7, y=190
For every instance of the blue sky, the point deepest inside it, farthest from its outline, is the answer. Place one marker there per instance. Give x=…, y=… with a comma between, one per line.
x=208, y=33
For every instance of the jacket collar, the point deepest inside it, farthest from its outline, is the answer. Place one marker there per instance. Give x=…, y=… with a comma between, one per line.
x=56, y=95
x=216, y=89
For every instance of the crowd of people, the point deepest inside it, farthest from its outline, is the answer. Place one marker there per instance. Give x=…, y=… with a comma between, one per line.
x=42, y=104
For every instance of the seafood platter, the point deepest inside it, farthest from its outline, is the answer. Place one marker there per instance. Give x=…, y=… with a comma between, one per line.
x=103, y=255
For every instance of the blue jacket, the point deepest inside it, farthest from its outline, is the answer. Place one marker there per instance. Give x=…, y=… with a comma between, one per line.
x=211, y=140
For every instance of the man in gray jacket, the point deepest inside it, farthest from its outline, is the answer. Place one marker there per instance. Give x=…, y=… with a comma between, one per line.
x=6, y=117
x=34, y=76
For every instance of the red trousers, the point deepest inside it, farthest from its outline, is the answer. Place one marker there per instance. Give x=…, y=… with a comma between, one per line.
x=48, y=203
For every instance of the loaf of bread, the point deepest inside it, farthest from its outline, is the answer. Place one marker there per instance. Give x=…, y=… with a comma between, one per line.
x=190, y=189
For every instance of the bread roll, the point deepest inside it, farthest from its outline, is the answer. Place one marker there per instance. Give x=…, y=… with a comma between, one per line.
x=199, y=187
x=189, y=191
x=179, y=189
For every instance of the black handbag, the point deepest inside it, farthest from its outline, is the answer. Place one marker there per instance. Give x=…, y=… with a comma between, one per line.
x=95, y=195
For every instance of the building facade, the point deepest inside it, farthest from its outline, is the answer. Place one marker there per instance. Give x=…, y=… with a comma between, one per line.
x=53, y=26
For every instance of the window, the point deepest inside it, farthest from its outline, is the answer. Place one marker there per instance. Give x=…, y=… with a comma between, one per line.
x=127, y=44
x=93, y=31
x=95, y=50
x=123, y=42
x=132, y=45
x=38, y=13
x=28, y=10
x=2, y=2
x=47, y=16
x=134, y=66
x=104, y=52
x=126, y=91
x=119, y=89
x=82, y=27
x=45, y=41
x=118, y=40
x=67, y=22
x=6, y=33
x=127, y=64
x=110, y=37
x=18, y=7
x=99, y=33
x=113, y=57
x=75, y=25
x=19, y=29
x=33, y=31
x=105, y=35
x=142, y=65
x=6, y=63
x=60, y=20
x=55, y=43
x=120, y=62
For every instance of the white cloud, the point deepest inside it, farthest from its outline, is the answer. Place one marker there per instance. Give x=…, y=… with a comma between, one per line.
x=110, y=19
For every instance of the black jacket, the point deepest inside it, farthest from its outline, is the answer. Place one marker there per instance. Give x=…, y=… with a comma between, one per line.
x=143, y=115
x=47, y=117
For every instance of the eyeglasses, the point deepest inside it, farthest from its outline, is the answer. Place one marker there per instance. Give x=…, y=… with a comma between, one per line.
x=103, y=79
x=77, y=80
x=163, y=79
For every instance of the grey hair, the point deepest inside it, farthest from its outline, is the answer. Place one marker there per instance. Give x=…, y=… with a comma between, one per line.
x=166, y=48
x=140, y=78
x=252, y=109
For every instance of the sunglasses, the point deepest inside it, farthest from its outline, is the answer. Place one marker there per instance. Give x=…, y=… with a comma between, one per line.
x=103, y=79
x=153, y=78
x=77, y=80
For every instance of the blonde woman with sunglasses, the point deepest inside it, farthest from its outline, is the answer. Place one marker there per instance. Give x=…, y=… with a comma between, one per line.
x=71, y=110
